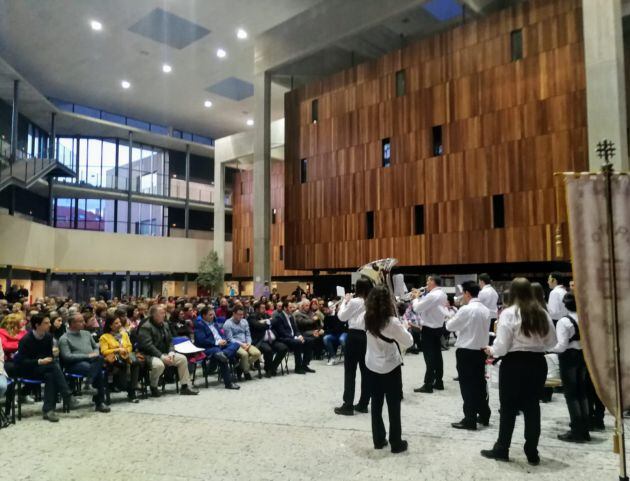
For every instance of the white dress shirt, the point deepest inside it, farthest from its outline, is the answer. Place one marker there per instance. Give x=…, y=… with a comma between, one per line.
x=382, y=356
x=431, y=308
x=352, y=312
x=472, y=324
x=564, y=332
x=555, y=306
x=489, y=298
x=510, y=338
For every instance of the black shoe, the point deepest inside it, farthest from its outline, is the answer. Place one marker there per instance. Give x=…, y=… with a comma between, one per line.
x=300, y=371
x=70, y=403
x=155, y=392
x=533, y=459
x=381, y=445
x=51, y=416
x=268, y=374
x=188, y=391
x=220, y=357
x=494, y=454
x=463, y=424
x=361, y=409
x=596, y=425
x=344, y=410
x=425, y=388
x=400, y=448
x=133, y=400
x=248, y=376
x=483, y=421
x=101, y=408
x=308, y=369
x=439, y=385
x=571, y=437
x=233, y=386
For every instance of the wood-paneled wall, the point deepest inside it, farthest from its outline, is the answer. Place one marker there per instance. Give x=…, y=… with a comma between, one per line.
x=243, y=224
x=507, y=127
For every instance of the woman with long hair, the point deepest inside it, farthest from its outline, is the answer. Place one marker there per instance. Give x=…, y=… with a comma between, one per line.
x=118, y=353
x=525, y=331
x=386, y=337
x=539, y=294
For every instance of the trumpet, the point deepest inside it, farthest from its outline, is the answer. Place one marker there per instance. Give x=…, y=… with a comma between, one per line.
x=411, y=295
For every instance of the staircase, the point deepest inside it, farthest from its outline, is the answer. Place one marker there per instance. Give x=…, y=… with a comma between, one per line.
x=24, y=173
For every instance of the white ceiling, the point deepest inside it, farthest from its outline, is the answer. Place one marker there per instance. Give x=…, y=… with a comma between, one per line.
x=52, y=45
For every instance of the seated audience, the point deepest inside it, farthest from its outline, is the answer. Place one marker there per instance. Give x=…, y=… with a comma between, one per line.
x=335, y=334
x=119, y=357
x=264, y=339
x=80, y=355
x=286, y=332
x=3, y=374
x=310, y=325
x=35, y=361
x=155, y=342
x=237, y=330
x=208, y=337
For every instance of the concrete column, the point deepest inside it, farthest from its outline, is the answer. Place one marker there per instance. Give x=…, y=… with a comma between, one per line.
x=185, y=284
x=9, y=277
x=605, y=80
x=262, y=182
x=48, y=282
x=129, y=185
x=187, y=204
x=219, y=210
x=52, y=138
x=128, y=283
x=51, y=202
x=14, y=120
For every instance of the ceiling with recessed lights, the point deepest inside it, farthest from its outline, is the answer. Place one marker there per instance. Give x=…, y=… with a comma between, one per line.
x=169, y=51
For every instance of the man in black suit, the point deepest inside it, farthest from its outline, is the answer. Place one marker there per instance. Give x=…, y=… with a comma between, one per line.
x=287, y=333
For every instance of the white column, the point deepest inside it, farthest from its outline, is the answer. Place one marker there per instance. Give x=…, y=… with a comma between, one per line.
x=219, y=209
x=605, y=80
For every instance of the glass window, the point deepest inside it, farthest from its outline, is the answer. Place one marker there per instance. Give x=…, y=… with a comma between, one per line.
x=369, y=221
x=400, y=83
x=123, y=167
x=498, y=211
x=66, y=153
x=387, y=152
x=122, y=217
x=83, y=160
x=418, y=219
x=109, y=164
x=94, y=157
x=438, y=146
x=516, y=44
x=64, y=213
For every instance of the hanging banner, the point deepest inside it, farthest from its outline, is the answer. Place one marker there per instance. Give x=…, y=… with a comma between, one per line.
x=591, y=258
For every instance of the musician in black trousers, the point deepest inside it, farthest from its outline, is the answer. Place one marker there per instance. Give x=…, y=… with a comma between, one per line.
x=386, y=336
x=352, y=311
x=525, y=332
x=472, y=324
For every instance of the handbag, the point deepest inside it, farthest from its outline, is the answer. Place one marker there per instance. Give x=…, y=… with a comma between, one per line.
x=269, y=336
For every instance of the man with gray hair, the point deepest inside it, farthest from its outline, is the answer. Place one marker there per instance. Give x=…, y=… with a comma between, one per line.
x=155, y=342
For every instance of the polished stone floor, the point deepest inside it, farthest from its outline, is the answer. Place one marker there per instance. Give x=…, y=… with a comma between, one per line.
x=284, y=429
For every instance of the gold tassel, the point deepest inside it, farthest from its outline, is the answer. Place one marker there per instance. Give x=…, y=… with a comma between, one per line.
x=616, y=443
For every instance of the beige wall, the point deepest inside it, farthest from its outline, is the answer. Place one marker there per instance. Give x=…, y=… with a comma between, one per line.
x=29, y=245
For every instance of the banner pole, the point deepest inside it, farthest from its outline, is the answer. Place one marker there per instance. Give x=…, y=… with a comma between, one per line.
x=606, y=150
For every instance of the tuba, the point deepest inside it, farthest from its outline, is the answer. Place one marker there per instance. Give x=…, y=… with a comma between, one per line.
x=379, y=272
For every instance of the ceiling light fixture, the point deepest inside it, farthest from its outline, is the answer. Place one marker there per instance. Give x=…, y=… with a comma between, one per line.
x=241, y=34
x=250, y=122
x=221, y=53
x=96, y=25
x=166, y=68
x=125, y=84
x=207, y=104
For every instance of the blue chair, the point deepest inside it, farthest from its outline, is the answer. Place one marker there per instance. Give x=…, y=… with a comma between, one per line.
x=22, y=381
x=10, y=401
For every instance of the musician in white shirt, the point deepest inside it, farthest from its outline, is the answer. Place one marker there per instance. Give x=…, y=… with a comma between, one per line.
x=432, y=310
x=351, y=311
x=573, y=373
x=489, y=298
x=555, y=306
x=387, y=336
x=525, y=331
x=472, y=324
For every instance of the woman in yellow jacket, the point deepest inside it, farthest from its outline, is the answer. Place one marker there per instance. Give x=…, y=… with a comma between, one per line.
x=118, y=352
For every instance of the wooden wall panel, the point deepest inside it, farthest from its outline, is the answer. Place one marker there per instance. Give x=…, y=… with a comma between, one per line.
x=507, y=127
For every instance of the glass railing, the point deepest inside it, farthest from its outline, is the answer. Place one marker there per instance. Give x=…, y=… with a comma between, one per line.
x=25, y=165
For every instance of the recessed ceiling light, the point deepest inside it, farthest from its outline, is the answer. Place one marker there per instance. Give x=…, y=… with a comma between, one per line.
x=125, y=84
x=207, y=104
x=166, y=68
x=221, y=53
x=241, y=33
x=250, y=122
x=96, y=25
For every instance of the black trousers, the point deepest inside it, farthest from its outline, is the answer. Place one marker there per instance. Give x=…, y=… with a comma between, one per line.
x=522, y=379
x=93, y=370
x=573, y=374
x=471, y=370
x=268, y=350
x=126, y=377
x=55, y=382
x=432, y=352
x=596, y=408
x=356, y=345
x=303, y=351
x=386, y=386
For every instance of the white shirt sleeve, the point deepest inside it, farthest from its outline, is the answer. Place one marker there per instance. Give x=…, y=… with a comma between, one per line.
x=505, y=335
x=350, y=309
x=555, y=306
x=395, y=330
x=425, y=303
x=551, y=339
x=564, y=332
x=458, y=321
